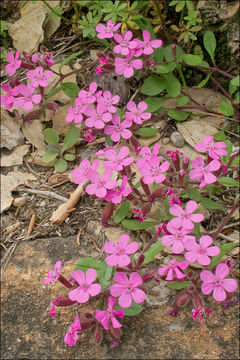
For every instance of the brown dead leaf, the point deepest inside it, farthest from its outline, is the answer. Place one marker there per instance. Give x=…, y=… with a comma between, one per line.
x=11, y=135
x=16, y=156
x=33, y=131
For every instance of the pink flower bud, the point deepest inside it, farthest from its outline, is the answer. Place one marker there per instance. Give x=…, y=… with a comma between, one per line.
x=185, y=163
x=107, y=213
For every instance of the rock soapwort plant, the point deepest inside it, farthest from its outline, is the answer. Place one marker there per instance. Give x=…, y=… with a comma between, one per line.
x=136, y=180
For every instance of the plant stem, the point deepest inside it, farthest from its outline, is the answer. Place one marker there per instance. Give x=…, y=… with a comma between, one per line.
x=149, y=244
x=225, y=221
x=166, y=33
x=74, y=5
x=61, y=16
x=220, y=87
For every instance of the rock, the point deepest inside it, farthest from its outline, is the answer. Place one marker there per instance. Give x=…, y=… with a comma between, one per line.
x=20, y=201
x=177, y=139
x=9, y=183
x=60, y=96
x=187, y=150
x=16, y=157
x=11, y=135
x=33, y=131
x=52, y=23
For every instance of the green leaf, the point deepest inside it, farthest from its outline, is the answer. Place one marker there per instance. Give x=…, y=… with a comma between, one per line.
x=192, y=194
x=104, y=274
x=50, y=136
x=209, y=42
x=69, y=157
x=108, y=140
x=145, y=24
x=153, y=85
x=86, y=263
x=71, y=138
x=49, y=156
x=237, y=98
x=235, y=81
x=165, y=69
x=197, y=230
x=227, y=181
x=146, y=132
x=154, y=103
x=173, y=85
x=224, y=249
x=167, y=207
x=213, y=189
x=122, y=212
x=178, y=114
x=133, y=310
x=226, y=109
x=159, y=54
x=154, y=249
x=192, y=59
x=136, y=225
x=178, y=285
x=220, y=136
x=168, y=53
x=69, y=58
x=183, y=100
x=60, y=165
x=208, y=203
x=70, y=89
x=236, y=161
x=53, y=92
x=229, y=151
x=203, y=82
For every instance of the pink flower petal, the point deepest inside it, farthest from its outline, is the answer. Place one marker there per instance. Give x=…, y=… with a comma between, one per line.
x=110, y=247
x=112, y=260
x=191, y=256
x=135, y=279
x=203, y=259
x=138, y=296
x=207, y=276
x=229, y=285
x=123, y=240
x=222, y=271
x=94, y=289
x=79, y=276
x=207, y=287
x=132, y=248
x=205, y=241
x=146, y=36
x=212, y=251
x=219, y=293
x=121, y=278
x=191, y=207
x=90, y=276
x=123, y=260
x=125, y=300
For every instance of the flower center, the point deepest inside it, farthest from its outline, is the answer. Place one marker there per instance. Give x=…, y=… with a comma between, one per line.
x=124, y=43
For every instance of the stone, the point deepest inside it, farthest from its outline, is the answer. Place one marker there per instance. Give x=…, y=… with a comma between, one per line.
x=26, y=303
x=177, y=139
x=11, y=134
x=16, y=156
x=20, y=201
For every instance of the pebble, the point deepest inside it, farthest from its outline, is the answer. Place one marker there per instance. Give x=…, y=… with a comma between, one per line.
x=177, y=139
x=19, y=201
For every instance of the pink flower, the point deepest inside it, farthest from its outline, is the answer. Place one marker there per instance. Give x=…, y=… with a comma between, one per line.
x=28, y=99
x=161, y=228
x=173, y=154
x=14, y=63
x=204, y=172
x=185, y=217
x=53, y=275
x=127, y=289
x=137, y=113
x=89, y=97
x=100, y=185
x=85, y=171
x=139, y=214
x=119, y=251
x=8, y=99
x=102, y=61
x=217, y=283
x=117, y=160
x=200, y=311
x=154, y=171
x=52, y=310
x=148, y=156
x=38, y=77
x=97, y=117
x=86, y=288
x=173, y=198
x=214, y=149
x=110, y=100
x=125, y=66
x=178, y=238
x=124, y=43
x=105, y=316
x=116, y=194
x=201, y=252
x=173, y=266
x=75, y=113
x=118, y=129
x=147, y=45
x=72, y=333
x=106, y=32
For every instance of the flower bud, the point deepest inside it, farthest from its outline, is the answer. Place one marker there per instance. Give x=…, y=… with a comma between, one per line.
x=158, y=193
x=139, y=261
x=98, y=334
x=176, y=162
x=147, y=277
x=181, y=176
x=185, y=163
x=146, y=208
x=107, y=213
x=197, y=301
x=145, y=187
x=182, y=299
x=64, y=302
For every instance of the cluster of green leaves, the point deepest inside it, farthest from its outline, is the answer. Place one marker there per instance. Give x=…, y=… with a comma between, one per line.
x=60, y=152
x=3, y=35
x=169, y=77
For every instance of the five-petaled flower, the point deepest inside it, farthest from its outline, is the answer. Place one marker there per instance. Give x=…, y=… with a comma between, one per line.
x=201, y=252
x=125, y=66
x=127, y=289
x=215, y=150
x=217, y=283
x=98, y=117
x=99, y=186
x=53, y=275
x=154, y=171
x=118, y=129
x=28, y=99
x=8, y=99
x=107, y=32
x=115, y=195
x=120, y=251
x=14, y=63
x=185, y=218
x=177, y=239
x=137, y=113
x=86, y=287
x=124, y=44
x=202, y=172
x=72, y=333
x=75, y=113
x=147, y=45
x=109, y=315
x=116, y=161
x=38, y=77
x=173, y=266
x=85, y=171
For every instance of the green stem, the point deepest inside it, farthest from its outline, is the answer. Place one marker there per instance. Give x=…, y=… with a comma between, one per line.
x=61, y=16
x=74, y=5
